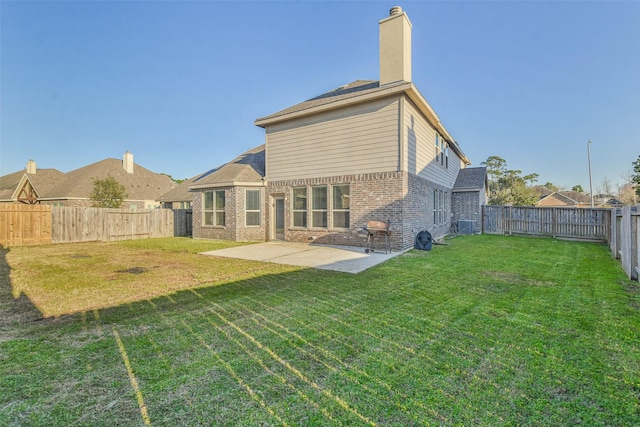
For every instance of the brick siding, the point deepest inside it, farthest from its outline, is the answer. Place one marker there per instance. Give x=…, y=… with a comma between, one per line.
x=466, y=206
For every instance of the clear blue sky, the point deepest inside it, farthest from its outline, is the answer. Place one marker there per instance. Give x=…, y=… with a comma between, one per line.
x=179, y=84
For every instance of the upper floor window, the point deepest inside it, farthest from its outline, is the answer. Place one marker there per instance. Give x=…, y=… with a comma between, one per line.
x=252, y=208
x=442, y=151
x=341, y=206
x=213, y=209
x=300, y=207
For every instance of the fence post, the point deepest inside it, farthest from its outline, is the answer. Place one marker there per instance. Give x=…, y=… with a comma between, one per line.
x=626, y=246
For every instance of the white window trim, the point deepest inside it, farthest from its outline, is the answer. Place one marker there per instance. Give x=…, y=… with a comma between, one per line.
x=259, y=210
x=215, y=209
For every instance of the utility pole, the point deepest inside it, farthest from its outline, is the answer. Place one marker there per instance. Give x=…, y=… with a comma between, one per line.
x=590, y=185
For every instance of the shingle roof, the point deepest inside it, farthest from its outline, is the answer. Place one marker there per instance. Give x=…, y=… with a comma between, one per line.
x=42, y=181
x=471, y=178
x=142, y=184
x=353, y=89
x=179, y=193
x=247, y=167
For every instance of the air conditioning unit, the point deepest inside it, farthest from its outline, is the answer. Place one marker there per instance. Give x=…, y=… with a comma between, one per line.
x=465, y=227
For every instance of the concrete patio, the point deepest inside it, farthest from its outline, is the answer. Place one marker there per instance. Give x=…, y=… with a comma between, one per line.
x=347, y=259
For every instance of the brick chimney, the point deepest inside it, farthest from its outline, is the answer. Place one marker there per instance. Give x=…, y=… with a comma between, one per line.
x=395, y=47
x=31, y=167
x=127, y=162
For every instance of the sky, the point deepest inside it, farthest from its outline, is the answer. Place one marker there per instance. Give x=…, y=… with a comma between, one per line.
x=179, y=84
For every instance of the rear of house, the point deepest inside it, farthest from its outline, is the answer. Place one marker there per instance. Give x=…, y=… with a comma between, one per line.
x=368, y=150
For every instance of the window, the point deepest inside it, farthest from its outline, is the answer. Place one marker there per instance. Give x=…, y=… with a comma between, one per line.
x=319, y=207
x=446, y=156
x=341, y=206
x=300, y=207
x=214, y=208
x=442, y=151
x=444, y=208
x=252, y=208
x=439, y=207
x=435, y=207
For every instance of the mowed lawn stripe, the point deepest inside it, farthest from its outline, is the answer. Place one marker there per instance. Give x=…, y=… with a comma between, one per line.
x=502, y=331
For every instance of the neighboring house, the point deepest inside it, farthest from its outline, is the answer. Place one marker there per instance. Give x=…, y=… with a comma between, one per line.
x=564, y=199
x=607, y=200
x=52, y=187
x=178, y=197
x=470, y=192
x=369, y=150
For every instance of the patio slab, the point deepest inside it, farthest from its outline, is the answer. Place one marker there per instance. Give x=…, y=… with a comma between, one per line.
x=347, y=259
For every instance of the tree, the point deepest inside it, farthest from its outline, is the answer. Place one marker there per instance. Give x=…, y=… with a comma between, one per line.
x=605, y=187
x=636, y=175
x=509, y=187
x=577, y=188
x=550, y=186
x=107, y=193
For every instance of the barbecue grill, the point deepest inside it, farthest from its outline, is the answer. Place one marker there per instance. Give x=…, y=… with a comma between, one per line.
x=379, y=229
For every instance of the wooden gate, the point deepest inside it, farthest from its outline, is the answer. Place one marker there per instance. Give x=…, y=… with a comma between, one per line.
x=24, y=224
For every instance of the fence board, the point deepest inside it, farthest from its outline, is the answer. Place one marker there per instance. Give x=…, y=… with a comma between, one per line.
x=24, y=224
x=183, y=222
x=574, y=223
x=80, y=224
x=627, y=222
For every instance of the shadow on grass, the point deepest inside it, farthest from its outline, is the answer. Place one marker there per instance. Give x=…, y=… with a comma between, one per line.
x=15, y=309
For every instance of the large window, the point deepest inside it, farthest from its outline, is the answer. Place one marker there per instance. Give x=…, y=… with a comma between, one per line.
x=435, y=206
x=214, y=208
x=252, y=208
x=439, y=207
x=341, y=206
x=300, y=207
x=319, y=207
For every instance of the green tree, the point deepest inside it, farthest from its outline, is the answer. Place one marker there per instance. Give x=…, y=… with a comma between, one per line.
x=636, y=175
x=107, y=193
x=550, y=186
x=509, y=187
x=577, y=188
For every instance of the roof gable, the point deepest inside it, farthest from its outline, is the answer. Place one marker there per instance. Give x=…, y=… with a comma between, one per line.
x=361, y=91
x=471, y=179
x=246, y=168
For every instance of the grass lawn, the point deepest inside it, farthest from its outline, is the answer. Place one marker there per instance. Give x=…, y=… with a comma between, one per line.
x=489, y=330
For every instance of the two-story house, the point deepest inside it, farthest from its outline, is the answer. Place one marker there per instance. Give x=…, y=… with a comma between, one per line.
x=368, y=150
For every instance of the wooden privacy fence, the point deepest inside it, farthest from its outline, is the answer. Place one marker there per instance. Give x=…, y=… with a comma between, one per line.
x=571, y=223
x=625, y=239
x=24, y=224
x=40, y=224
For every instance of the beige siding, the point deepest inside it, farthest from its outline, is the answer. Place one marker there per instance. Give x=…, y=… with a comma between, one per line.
x=352, y=140
x=419, y=145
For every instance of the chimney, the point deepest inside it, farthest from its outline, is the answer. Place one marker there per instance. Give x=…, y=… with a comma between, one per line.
x=395, y=47
x=31, y=167
x=127, y=162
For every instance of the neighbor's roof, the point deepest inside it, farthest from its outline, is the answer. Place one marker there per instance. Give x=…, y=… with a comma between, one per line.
x=570, y=198
x=246, y=169
x=471, y=179
x=42, y=182
x=180, y=193
x=142, y=184
x=357, y=92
